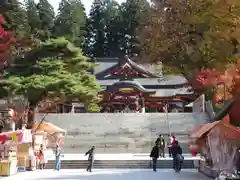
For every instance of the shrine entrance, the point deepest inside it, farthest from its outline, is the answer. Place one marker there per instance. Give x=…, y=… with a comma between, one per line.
x=131, y=97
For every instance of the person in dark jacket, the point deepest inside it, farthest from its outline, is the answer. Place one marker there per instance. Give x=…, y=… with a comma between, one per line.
x=155, y=155
x=176, y=150
x=161, y=142
x=91, y=154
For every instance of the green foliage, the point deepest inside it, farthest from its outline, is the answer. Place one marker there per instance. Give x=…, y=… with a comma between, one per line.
x=33, y=16
x=93, y=107
x=61, y=71
x=112, y=28
x=71, y=22
x=134, y=12
x=46, y=15
x=96, y=26
x=16, y=18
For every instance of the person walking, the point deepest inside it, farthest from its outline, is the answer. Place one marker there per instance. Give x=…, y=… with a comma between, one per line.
x=177, y=156
x=161, y=142
x=91, y=155
x=169, y=145
x=58, y=161
x=155, y=155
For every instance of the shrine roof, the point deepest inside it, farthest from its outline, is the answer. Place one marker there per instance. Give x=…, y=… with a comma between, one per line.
x=104, y=65
x=162, y=81
x=165, y=92
x=128, y=84
x=172, y=92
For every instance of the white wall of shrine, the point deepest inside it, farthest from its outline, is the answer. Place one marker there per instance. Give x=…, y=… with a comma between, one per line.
x=119, y=132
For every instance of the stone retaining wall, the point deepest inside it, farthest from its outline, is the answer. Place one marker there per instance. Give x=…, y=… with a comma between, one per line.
x=118, y=132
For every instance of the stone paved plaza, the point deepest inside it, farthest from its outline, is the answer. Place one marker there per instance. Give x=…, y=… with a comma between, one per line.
x=105, y=174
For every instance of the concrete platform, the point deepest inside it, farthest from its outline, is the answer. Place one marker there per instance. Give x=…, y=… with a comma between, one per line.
x=109, y=174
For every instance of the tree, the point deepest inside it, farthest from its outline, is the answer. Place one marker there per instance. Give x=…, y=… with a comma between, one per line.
x=191, y=35
x=230, y=79
x=211, y=78
x=57, y=70
x=71, y=22
x=6, y=40
x=133, y=12
x=96, y=25
x=33, y=16
x=16, y=18
x=46, y=14
x=114, y=29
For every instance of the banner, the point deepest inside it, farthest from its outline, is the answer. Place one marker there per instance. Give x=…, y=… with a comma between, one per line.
x=15, y=137
x=199, y=104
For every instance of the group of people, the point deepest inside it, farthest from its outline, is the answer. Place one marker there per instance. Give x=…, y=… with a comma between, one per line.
x=174, y=149
x=42, y=157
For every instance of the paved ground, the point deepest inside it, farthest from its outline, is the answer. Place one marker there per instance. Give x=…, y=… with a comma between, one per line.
x=108, y=175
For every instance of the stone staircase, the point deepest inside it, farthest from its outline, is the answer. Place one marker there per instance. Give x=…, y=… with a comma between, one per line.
x=122, y=132
x=117, y=164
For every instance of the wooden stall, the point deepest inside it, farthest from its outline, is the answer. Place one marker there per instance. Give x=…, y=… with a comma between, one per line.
x=11, y=143
x=47, y=135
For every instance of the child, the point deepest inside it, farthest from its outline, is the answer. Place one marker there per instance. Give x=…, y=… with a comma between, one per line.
x=42, y=159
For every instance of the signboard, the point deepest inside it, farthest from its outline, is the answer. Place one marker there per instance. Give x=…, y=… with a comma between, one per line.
x=15, y=137
x=126, y=89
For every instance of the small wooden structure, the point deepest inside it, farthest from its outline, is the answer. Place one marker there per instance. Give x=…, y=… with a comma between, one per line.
x=48, y=133
x=217, y=142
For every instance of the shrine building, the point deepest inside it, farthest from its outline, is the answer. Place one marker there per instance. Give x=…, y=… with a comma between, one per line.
x=130, y=87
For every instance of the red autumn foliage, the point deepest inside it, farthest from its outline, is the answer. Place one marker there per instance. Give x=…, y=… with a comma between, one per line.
x=206, y=78
x=212, y=77
x=6, y=39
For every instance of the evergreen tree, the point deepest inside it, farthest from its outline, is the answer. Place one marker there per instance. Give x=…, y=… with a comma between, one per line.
x=96, y=27
x=71, y=21
x=55, y=69
x=46, y=14
x=16, y=18
x=133, y=14
x=33, y=16
x=114, y=29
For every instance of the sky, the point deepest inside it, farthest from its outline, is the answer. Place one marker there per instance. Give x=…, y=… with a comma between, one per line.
x=87, y=4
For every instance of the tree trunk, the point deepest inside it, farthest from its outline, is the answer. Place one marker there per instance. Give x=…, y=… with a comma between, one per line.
x=31, y=114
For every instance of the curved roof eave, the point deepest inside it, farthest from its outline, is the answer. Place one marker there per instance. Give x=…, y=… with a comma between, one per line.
x=128, y=84
x=134, y=65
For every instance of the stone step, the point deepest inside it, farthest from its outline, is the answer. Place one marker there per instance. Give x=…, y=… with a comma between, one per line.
x=117, y=164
